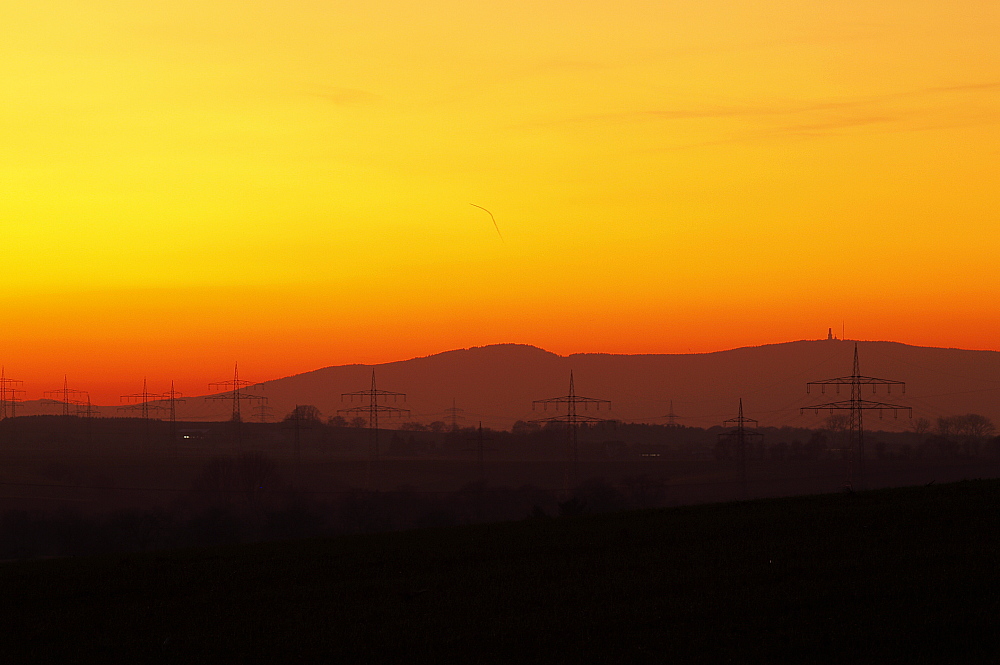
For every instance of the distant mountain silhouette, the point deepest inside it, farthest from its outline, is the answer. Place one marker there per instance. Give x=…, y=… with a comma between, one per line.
x=496, y=384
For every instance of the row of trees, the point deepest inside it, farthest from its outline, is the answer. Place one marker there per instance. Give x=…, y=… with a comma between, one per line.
x=968, y=426
x=311, y=414
x=948, y=436
x=952, y=437
x=971, y=425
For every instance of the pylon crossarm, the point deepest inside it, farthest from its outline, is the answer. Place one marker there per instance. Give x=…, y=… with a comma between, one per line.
x=843, y=404
x=370, y=393
x=556, y=401
x=856, y=380
x=569, y=419
x=380, y=408
x=895, y=410
x=140, y=398
x=230, y=385
x=847, y=405
x=865, y=404
x=232, y=395
x=590, y=400
x=53, y=394
x=572, y=398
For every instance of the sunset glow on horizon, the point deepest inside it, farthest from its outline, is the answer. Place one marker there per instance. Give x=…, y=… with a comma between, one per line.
x=286, y=184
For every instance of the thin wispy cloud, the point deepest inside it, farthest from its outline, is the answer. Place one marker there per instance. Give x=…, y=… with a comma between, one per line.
x=968, y=87
x=762, y=110
x=810, y=119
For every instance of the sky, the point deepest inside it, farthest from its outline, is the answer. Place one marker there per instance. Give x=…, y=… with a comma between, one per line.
x=287, y=183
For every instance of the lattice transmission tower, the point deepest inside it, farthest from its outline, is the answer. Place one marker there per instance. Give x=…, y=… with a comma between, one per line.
x=373, y=410
x=261, y=411
x=172, y=397
x=66, y=393
x=143, y=402
x=572, y=419
x=87, y=410
x=740, y=433
x=671, y=417
x=453, y=415
x=9, y=391
x=234, y=392
x=857, y=405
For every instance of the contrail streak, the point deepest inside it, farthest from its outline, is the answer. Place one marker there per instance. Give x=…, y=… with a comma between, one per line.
x=491, y=217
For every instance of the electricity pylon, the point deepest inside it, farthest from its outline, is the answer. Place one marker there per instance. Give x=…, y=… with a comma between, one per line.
x=66, y=392
x=8, y=394
x=453, y=412
x=572, y=420
x=741, y=433
x=671, y=417
x=262, y=412
x=857, y=405
x=142, y=402
x=373, y=409
x=88, y=410
x=235, y=389
x=172, y=397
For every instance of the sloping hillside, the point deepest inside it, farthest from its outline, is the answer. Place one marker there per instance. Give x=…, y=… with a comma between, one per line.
x=497, y=384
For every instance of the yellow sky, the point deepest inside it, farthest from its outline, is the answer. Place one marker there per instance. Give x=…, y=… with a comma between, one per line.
x=184, y=184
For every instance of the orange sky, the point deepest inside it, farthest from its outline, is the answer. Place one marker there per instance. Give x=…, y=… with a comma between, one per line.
x=286, y=183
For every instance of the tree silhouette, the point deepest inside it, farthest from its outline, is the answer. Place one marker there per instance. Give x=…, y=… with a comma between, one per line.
x=305, y=412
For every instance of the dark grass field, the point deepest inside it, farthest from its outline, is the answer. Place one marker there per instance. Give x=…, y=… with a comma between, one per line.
x=901, y=575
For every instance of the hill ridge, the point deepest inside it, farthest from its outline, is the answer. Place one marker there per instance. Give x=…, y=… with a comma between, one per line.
x=497, y=383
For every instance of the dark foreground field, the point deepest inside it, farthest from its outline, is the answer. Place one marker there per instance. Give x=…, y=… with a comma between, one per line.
x=902, y=575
